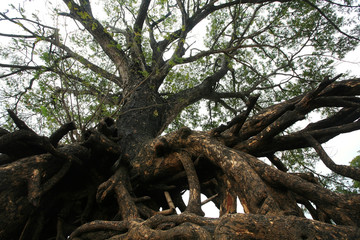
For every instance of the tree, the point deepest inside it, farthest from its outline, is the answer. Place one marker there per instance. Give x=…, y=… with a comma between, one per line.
x=115, y=92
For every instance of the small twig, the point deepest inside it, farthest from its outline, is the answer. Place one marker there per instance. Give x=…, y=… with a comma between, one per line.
x=209, y=199
x=330, y=21
x=23, y=232
x=169, y=200
x=166, y=212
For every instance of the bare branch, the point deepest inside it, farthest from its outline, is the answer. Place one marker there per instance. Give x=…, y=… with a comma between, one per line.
x=347, y=171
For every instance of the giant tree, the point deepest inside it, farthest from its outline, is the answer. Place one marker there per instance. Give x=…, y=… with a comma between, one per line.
x=116, y=108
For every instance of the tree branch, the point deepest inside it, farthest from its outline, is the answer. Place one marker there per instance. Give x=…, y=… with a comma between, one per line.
x=194, y=205
x=347, y=171
x=142, y=14
x=106, y=41
x=330, y=21
x=187, y=97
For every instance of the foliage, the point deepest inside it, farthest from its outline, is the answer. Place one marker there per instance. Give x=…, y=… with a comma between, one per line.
x=356, y=163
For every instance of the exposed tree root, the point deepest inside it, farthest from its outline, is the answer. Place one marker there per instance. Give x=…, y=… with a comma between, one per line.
x=142, y=198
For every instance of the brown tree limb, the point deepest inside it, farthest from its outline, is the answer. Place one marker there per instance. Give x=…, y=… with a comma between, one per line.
x=337, y=101
x=286, y=120
x=169, y=200
x=101, y=143
x=141, y=16
x=19, y=123
x=238, y=120
x=21, y=143
x=313, y=192
x=20, y=184
x=106, y=41
x=344, y=116
x=100, y=225
x=119, y=183
x=61, y=132
x=189, y=96
x=346, y=171
x=194, y=205
x=262, y=199
x=183, y=231
x=260, y=121
x=227, y=195
x=277, y=162
x=296, y=140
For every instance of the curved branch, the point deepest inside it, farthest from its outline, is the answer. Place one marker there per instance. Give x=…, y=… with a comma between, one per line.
x=61, y=132
x=296, y=140
x=273, y=120
x=19, y=123
x=239, y=120
x=347, y=171
x=314, y=192
x=100, y=225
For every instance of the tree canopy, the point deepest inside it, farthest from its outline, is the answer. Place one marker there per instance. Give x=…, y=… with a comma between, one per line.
x=110, y=110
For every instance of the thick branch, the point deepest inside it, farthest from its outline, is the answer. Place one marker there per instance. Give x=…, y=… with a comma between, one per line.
x=189, y=96
x=194, y=205
x=277, y=118
x=107, y=43
x=61, y=132
x=296, y=140
x=19, y=123
x=341, y=208
x=119, y=182
x=142, y=14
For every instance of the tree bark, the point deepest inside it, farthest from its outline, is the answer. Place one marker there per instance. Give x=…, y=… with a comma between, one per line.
x=54, y=191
